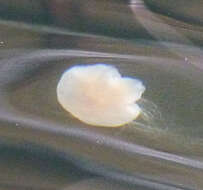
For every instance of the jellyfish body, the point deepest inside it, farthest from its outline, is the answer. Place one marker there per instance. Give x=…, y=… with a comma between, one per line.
x=98, y=95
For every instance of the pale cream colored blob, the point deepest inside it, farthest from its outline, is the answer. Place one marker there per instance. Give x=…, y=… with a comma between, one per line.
x=98, y=95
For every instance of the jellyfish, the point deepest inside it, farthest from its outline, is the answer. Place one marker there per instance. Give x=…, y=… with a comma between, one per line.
x=98, y=95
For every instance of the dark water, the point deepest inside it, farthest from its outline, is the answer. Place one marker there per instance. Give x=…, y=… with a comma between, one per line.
x=42, y=147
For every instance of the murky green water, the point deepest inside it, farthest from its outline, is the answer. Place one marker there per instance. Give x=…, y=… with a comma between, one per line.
x=43, y=147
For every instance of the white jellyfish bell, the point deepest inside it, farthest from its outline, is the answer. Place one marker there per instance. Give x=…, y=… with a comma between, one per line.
x=98, y=95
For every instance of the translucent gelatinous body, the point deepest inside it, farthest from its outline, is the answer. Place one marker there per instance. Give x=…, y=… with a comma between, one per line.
x=98, y=95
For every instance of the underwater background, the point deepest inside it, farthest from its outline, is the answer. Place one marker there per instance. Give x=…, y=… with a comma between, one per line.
x=42, y=147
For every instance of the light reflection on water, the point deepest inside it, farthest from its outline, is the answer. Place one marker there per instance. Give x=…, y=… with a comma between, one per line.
x=163, y=151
